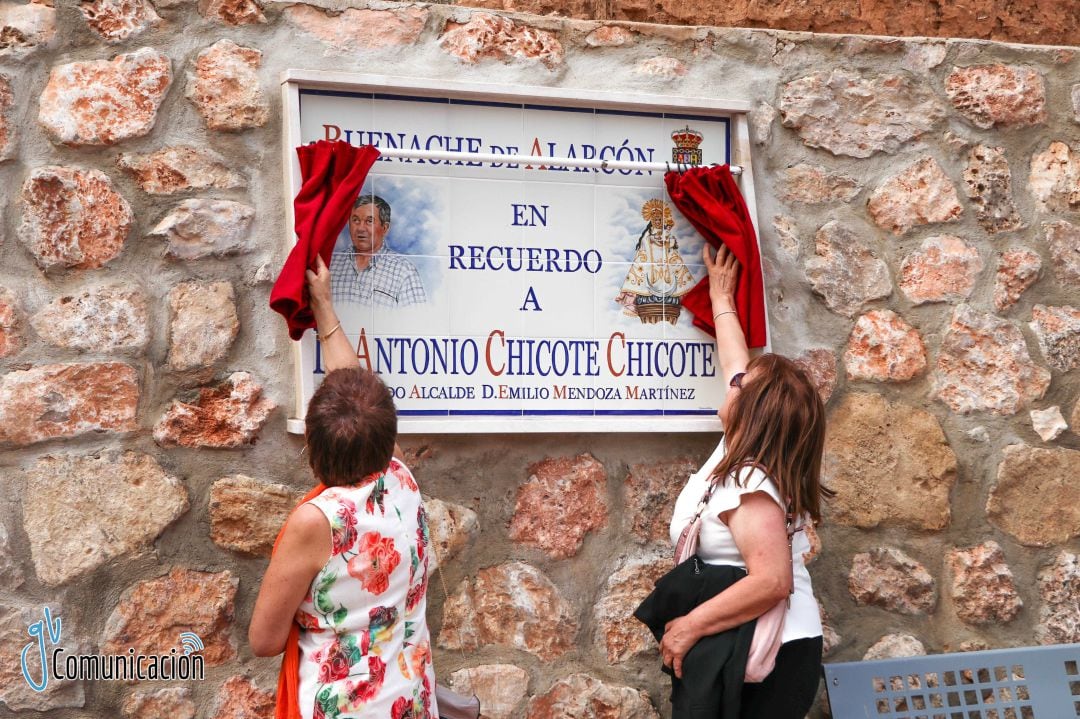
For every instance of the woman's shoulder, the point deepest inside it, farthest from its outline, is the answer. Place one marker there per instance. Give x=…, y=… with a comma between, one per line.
x=750, y=478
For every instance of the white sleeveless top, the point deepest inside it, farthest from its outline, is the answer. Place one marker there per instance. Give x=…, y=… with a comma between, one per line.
x=717, y=546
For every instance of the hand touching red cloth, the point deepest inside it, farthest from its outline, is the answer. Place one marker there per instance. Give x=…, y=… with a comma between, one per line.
x=709, y=198
x=332, y=174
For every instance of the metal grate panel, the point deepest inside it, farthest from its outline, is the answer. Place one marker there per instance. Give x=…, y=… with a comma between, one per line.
x=1021, y=683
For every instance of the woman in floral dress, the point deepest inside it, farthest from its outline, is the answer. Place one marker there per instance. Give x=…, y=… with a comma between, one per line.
x=351, y=567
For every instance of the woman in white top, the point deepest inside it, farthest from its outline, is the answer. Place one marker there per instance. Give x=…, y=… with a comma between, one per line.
x=767, y=471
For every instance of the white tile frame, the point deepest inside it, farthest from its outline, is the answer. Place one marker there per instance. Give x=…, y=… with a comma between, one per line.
x=293, y=80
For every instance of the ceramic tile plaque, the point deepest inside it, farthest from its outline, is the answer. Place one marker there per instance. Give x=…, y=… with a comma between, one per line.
x=518, y=296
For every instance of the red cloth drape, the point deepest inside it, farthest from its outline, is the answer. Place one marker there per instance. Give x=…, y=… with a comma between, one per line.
x=332, y=173
x=288, y=688
x=709, y=198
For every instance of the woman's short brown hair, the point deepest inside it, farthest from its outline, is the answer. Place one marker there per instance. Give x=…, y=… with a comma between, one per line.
x=351, y=427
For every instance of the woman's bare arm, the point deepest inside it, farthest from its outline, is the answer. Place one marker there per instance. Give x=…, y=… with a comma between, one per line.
x=337, y=353
x=731, y=350
x=304, y=550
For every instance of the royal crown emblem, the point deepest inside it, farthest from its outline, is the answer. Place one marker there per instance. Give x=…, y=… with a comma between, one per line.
x=687, y=150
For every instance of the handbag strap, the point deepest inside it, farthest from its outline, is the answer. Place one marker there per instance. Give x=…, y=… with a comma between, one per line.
x=704, y=502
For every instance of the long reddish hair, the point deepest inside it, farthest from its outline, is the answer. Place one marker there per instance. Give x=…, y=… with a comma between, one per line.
x=777, y=422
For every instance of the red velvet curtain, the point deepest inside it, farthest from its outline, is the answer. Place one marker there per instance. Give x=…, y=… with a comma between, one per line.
x=709, y=198
x=332, y=173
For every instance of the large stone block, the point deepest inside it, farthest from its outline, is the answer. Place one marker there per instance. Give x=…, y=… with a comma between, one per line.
x=180, y=168
x=984, y=366
x=499, y=687
x=820, y=365
x=109, y=318
x=240, y=698
x=247, y=514
x=103, y=102
x=360, y=28
x=943, y=269
x=1018, y=268
x=650, y=493
x=228, y=415
x=610, y=36
x=512, y=605
x=15, y=692
x=26, y=27
x=1055, y=178
x=67, y=400
x=1063, y=239
x=152, y=614
x=889, y=464
x=618, y=634
x=1058, y=332
x=998, y=95
x=233, y=12
x=452, y=527
x=224, y=86
x=485, y=36
x=72, y=217
x=845, y=272
x=1037, y=495
x=12, y=324
x=894, y=646
x=848, y=114
x=124, y=502
x=581, y=696
x=563, y=500
x=168, y=703
x=988, y=182
x=888, y=578
x=815, y=185
x=884, y=348
x=202, y=324
x=921, y=194
x=203, y=228
x=1059, y=588
x=114, y=21
x=982, y=585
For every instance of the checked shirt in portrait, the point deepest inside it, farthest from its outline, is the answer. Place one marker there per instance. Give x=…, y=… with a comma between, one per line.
x=389, y=281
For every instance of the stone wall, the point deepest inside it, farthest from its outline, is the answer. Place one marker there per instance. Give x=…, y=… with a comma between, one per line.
x=918, y=209
x=1030, y=21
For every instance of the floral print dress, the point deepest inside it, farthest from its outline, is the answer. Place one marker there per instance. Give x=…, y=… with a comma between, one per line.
x=365, y=650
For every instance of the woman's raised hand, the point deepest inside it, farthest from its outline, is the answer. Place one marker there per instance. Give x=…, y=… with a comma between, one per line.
x=723, y=271
x=318, y=282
